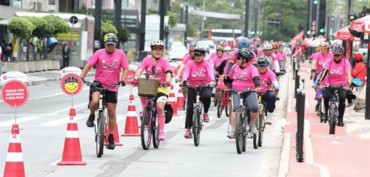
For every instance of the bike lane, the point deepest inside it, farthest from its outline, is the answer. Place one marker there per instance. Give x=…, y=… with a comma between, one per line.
x=343, y=154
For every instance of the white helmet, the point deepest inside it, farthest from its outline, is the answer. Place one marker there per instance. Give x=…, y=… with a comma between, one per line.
x=267, y=46
x=227, y=48
x=156, y=43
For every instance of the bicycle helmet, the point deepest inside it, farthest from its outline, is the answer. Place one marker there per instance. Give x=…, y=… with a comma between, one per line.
x=157, y=43
x=199, y=51
x=267, y=46
x=110, y=38
x=227, y=48
x=325, y=45
x=219, y=47
x=263, y=61
x=245, y=54
x=192, y=46
x=338, y=50
x=243, y=43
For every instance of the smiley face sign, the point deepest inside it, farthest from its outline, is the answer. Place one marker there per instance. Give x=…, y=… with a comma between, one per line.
x=71, y=84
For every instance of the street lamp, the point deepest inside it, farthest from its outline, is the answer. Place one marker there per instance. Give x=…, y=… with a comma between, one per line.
x=203, y=19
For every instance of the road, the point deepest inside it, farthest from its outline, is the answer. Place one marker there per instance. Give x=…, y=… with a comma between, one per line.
x=43, y=121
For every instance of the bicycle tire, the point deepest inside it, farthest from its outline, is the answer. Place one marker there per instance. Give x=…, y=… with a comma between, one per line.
x=261, y=128
x=155, y=133
x=332, y=118
x=239, y=133
x=146, y=129
x=219, y=110
x=215, y=99
x=100, y=135
x=196, y=127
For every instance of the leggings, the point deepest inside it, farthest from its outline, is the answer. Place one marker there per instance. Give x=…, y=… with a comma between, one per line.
x=205, y=98
x=328, y=93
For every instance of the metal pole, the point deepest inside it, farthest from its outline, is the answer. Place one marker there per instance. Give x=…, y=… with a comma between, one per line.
x=309, y=20
x=202, y=30
x=367, y=106
x=256, y=5
x=161, y=22
x=246, y=27
x=142, y=29
x=182, y=14
x=117, y=17
x=186, y=25
x=97, y=25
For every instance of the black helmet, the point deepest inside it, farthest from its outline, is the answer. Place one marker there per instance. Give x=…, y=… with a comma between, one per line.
x=338, y=50
x=245, y=54
x=263, y=61
x=199, y=51
x=110, y=38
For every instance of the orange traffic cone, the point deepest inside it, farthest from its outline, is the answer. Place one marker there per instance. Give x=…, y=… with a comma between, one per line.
x=180, y=100
x=14, y=161
x=131, y=127
x=172, y=101
x=115, y=135
x=72, y=150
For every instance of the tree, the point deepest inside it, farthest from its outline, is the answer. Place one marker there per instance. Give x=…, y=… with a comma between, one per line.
x=171, y=19
x=20, y=27
x=55, y=26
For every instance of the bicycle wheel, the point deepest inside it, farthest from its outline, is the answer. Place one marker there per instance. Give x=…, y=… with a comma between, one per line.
x=155, y=129
x=239, y=133
x=332, y=118
x=196, y=126
x=227, y=109
x=100, y=134
x=146, y=129
x=260, y=127
x=219, y=109
x=215, y=99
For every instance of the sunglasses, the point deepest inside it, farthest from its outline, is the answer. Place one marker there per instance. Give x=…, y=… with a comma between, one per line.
x=239, y=58
x=337, y=55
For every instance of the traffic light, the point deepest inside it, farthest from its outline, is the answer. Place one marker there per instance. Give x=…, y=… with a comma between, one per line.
x=322, y=27
x=315, y=1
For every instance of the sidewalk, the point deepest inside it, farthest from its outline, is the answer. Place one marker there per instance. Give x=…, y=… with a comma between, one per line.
x=344, y=154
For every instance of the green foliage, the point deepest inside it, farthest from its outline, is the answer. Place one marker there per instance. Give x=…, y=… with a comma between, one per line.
x=21, y=27
x=108, y=27
x=39, y=24
x=55, y=25
x=124, y=35
x=171, y=19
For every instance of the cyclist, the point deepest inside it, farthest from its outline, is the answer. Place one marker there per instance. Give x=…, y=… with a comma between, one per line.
x=227, y=51
x=268, y=81
x=338, y=74
x=219, y=57
x=108, y=62
x=319, y=59
x=244, y=76
x=267, y=49
x=158, y=68
x=197, y=72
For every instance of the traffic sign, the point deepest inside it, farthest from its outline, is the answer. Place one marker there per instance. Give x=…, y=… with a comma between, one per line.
x=70, y=69
x=15, y=93
x=73, y=20
x=71, y=84
x=13, y=75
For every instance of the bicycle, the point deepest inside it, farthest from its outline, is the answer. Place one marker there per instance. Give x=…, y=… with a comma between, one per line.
x=198, y=107
x=100, y=127
x=333, y=112
x=242, y=120
x=261, y=121
x=149, y=125
x=223, y=102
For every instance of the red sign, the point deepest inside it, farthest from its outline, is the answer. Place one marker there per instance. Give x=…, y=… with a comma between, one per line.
x=130, y=76
x=15, y=93
x=71, y=84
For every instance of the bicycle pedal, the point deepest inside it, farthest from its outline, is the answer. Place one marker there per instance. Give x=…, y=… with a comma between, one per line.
x=268, y=123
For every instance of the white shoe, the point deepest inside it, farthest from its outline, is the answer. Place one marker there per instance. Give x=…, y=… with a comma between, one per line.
x=269, y=117
x=253, y=130
x=231, y=134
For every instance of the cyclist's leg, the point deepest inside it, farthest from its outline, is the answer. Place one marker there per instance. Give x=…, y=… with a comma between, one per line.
x=93, y=105
x=235, y=103
x=270, y=100
x=189, y=108
x=161, y=102
x=144, y=102
x=342, y=104
x=252, y=103
x=327, y=95
x=111, y=107
x=205, y=96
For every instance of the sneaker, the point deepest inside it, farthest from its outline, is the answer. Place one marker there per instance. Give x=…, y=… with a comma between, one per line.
x=205, y=117
x=90, y=120
x=340, y=123
x=231, y=134
x=253, y=130
x=269, y=118
x=187, y=134
x=161, y=135
x=111, y=144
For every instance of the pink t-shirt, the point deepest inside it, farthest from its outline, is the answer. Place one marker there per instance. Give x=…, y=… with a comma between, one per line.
x=321, y=59
x=337, y=72
x=159, y=70
x=108, y=66
x=198, y=74
x=243, y=78
x=215, y=61
x=266, y=80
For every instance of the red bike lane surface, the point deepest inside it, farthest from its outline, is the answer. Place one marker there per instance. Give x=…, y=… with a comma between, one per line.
x=338, y=155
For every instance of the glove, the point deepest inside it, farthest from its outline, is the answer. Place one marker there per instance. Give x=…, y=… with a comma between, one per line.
x=134, y=82
x=123, y=83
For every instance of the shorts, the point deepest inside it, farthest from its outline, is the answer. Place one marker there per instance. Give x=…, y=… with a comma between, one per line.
x=161, y=97
x=110, y=96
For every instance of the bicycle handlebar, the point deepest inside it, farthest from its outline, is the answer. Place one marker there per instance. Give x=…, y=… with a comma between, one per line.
x=88, y=83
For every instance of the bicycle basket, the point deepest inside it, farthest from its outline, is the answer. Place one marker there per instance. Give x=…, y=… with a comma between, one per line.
x=147, y=87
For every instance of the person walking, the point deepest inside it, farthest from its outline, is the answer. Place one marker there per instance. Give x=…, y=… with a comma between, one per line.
x=66, y=52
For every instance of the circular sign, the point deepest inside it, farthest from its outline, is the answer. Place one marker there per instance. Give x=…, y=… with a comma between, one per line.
x=15, y=93
x=73, y=20
x=130, y=76
x=71, y=84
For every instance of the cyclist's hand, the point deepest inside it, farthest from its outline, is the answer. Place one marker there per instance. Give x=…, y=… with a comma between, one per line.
x=134, y=82
x=122, y=83
x=212, y=84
